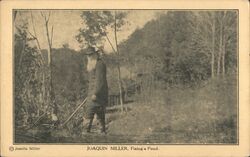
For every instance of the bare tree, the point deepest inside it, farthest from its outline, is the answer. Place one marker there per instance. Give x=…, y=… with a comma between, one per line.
x=118, y=66
x=44, y=98
x=206, y=29
x=229, y=24
x=220, y=45
x=213, y=45
x=49, y=36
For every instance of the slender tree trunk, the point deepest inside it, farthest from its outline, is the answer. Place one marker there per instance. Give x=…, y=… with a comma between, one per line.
x=51, y=89
x=224, y=43
x=49, y=43
x=49, y=65
x=213, y=47
x=44, y=88
x=44, y=95
x=223, y=54
x=220, y=49
x=22, y=52
x=120, y=86
x=35, y=36
x=118, y=67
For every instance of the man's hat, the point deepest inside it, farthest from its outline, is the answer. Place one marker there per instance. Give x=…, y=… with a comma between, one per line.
x=91, y=50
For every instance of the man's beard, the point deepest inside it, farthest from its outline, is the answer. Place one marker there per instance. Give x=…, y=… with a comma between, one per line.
x=91, y=64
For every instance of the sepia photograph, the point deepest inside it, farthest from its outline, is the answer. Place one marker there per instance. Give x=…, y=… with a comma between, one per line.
x=133, y=76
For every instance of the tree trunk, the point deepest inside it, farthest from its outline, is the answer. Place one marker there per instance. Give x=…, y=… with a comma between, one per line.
x=43, y=69
x=50, y=78
x=224, y=43
x=223, y=54
x=22, y=52
x=220, y=49
x=223, y=57
x=120, y=86
x=213, y=47
x=43, y=88
x=49, y=43
x=49, y=66
x=118, y=68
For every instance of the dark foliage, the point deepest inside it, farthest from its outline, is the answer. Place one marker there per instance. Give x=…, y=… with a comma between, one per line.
x=176, y=48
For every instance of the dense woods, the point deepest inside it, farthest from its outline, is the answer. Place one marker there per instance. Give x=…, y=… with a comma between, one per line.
x=184, y=49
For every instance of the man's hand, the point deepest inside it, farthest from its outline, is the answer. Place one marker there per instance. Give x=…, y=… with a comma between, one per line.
x=93, y=97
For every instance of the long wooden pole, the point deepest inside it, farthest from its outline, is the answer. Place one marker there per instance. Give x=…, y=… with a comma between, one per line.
x=75, y=111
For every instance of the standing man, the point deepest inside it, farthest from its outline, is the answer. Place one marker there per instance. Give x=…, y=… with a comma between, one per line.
x=97, y=89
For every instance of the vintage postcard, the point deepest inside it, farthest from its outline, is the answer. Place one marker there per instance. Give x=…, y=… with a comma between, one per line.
x=125, y=78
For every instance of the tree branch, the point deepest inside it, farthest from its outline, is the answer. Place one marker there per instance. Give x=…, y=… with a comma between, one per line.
x=33, y=26
x=48, y=17
x=42, y=14
x=110, y=43
x=15, y=14
x=35, y=36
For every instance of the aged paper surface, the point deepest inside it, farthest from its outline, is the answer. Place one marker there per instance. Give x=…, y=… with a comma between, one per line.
x=199, y=131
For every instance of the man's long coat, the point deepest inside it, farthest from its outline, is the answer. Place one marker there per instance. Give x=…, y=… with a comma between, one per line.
x=98, y=84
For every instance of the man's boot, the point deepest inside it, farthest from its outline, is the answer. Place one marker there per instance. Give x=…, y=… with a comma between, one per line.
x=89, y=125
x=86, y=126
x=103, y=129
